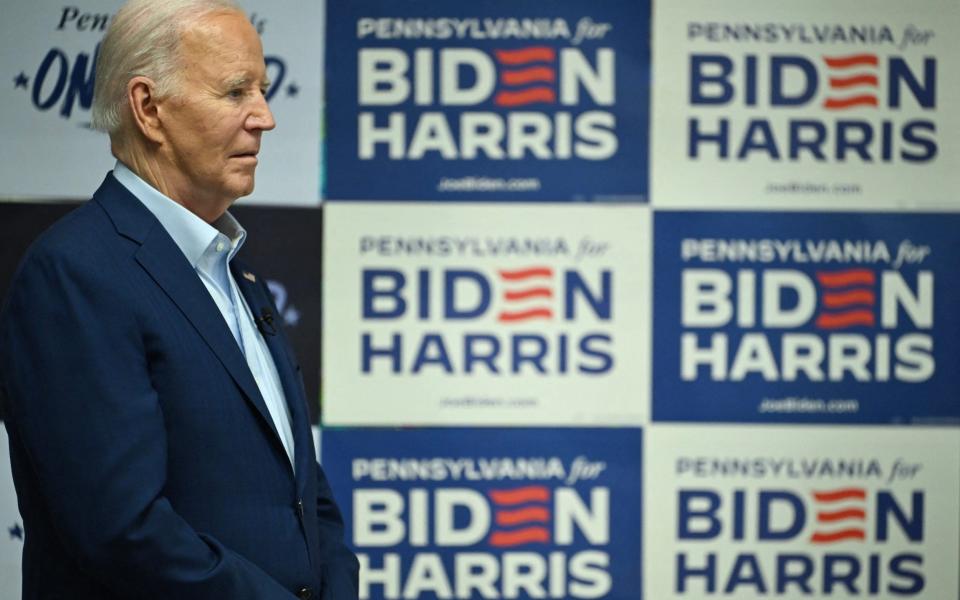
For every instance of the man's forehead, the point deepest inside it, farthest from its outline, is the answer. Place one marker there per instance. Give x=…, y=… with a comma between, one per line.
x=221, y=33
x=225, y=46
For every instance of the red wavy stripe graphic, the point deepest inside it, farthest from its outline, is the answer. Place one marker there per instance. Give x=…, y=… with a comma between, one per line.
x=846, y=278
x=841, y=515
x=526, y=55
x=519, y=537
x=526, y=273
x=532, y=493
x=845, y=82
x=525, y=315
x=854, y=60
x=528, y=75
x=841, y=103
x=837, y=536
x=846, y=319
x=537, y=292
x=530, y=96
x=842, y=299
x=534, y=514
x=840, y=494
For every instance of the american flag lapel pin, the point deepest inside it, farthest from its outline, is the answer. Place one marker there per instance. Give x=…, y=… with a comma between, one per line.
x=249, y=276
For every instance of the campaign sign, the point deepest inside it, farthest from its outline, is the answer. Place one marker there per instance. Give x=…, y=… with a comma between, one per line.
x=806, y=317
x=485, y=314
x=48, y=51
x=846, y=105
x=491, y=513
x=789, y=513
x=11, y=534
x=498, y=100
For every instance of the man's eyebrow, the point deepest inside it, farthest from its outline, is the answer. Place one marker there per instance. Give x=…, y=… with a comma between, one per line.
x=244, y=81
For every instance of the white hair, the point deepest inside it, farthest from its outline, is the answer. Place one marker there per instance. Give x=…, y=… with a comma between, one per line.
x=143, y=39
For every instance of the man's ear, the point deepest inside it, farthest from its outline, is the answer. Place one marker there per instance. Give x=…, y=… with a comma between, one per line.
x=142, y=98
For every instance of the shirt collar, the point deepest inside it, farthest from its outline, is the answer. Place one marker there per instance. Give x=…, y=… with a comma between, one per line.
x=192, y=234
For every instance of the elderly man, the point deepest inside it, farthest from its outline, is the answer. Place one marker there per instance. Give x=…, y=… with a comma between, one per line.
x=158, y=426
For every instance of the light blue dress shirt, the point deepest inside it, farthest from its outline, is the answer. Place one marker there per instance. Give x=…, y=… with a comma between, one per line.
x=209, y=248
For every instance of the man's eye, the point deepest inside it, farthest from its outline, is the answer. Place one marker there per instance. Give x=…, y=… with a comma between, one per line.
x=236, y=93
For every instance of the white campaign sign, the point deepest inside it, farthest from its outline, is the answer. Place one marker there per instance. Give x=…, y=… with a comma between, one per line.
x=801, y=512
x=485, y=314
x=11, y=542
x=819, y=104
x=47, y=54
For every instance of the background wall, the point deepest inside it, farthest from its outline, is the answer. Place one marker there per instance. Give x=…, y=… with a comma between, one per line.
x=618, y=300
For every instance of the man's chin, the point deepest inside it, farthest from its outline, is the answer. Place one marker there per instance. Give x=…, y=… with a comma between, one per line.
x=242, y=188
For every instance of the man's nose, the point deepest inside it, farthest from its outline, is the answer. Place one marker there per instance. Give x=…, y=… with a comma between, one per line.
x=261, y=117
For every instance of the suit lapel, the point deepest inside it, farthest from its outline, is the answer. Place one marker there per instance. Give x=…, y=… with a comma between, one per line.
x=164, y=262
x=293, y=391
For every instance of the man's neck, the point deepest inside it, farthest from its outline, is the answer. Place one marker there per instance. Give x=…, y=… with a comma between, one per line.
x=149, y=167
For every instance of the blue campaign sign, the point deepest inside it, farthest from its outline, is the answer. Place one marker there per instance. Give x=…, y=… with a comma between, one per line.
x=500, y=100
x=806, y=317
x=491, y=513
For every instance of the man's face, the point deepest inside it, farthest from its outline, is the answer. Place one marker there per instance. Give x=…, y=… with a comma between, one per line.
x=214, y=121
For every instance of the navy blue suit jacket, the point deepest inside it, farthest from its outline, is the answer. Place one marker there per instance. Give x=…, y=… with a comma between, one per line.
x=145, y=461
